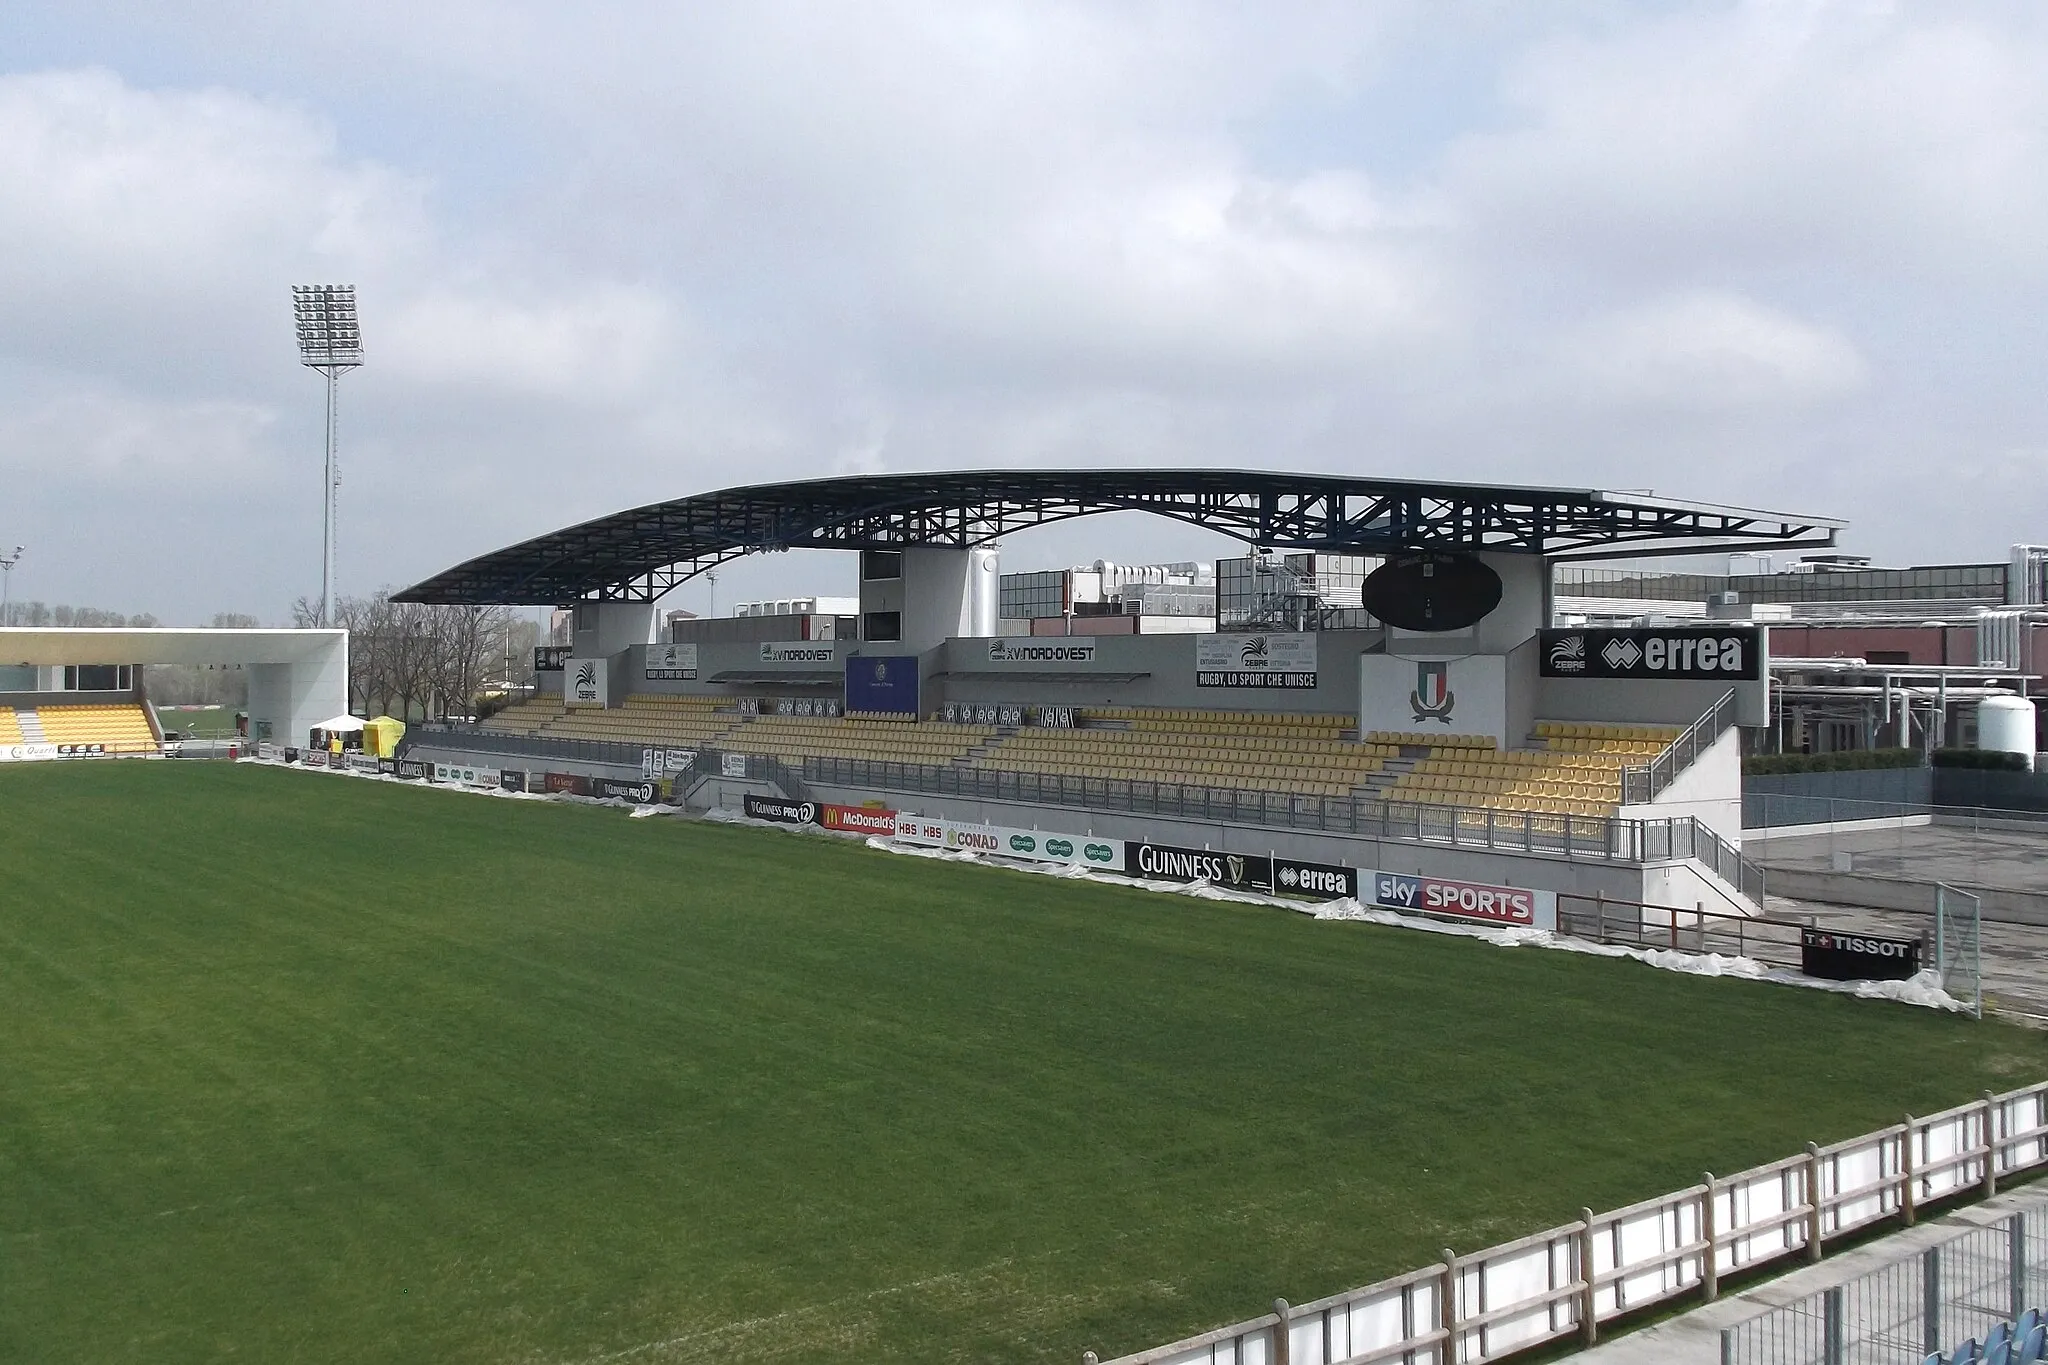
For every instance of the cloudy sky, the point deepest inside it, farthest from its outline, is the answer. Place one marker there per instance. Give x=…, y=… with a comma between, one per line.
x=1788, y=254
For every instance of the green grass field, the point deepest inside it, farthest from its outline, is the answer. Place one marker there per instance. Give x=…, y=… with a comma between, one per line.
x=403, y=1075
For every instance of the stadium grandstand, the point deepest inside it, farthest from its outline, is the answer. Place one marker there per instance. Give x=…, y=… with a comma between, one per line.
x=1382, y=658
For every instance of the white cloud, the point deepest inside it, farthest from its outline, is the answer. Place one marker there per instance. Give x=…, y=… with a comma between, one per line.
x=125, y=445
x=1710, y=351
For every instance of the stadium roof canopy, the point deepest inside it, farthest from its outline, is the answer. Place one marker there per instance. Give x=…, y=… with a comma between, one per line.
x=638, y=555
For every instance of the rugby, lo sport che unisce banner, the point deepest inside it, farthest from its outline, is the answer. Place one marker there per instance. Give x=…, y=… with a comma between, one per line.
x=1286, y=659
x=672, y=663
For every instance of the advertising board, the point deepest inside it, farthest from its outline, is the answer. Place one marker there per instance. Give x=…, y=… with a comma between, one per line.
x=465, y=775
x=388, y=767
x=361, y=763
x=565, y=784
x=26, y=753
x=672, y=663
x=1011, y=651
x=1835, y=956
x=641, y=792
x=265, y=749
x=512, y=780
x=1171, y=863
x=732, y=765
x=882, y=682
x=1699, y=654
x=1271, y=659
x=291, y=754
x=789, y=652
x=777, y=810
x=551, y=658
x=1508, y=906
x=1035, y=845
x=923, y=831
x=678, y=762
x=1314, y=881
x=411, y=769
x=586, y=682
x=858, y=820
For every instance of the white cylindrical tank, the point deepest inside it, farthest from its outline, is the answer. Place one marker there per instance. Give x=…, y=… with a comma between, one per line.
x=2006, y=724
x=984, y=591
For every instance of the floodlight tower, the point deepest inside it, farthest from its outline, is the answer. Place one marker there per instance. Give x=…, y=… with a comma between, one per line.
x=332, y=343
x=7, y=563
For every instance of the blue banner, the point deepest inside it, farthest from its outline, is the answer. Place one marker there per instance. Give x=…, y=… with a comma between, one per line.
x=882, y=682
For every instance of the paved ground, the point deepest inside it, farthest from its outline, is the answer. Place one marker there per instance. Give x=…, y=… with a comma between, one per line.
x=2015, y=956
x=1695, y=1338
x=2015, y=859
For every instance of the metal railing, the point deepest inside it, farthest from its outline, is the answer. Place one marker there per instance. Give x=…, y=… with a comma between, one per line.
x=1933, y=1300
x=1597, y=838
x=1641, y=785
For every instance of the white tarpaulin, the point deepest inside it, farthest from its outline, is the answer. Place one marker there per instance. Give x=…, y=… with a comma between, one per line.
x=340, y=725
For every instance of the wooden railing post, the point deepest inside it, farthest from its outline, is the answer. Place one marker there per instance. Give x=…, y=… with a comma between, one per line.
x=1448, y=1309
x=1908, y=1196
x=1589, y=1316
x=1710, y=1274
x=1283, y=1337
x=1990, y=1145
x=1814, y=1202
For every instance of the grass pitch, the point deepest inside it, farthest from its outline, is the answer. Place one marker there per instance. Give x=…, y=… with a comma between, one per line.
x=411, y=1076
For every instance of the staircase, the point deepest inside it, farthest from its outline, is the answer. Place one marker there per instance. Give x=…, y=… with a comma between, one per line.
x=31, y=726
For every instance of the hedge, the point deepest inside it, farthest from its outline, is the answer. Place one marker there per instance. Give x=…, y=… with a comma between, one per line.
x=1842, y=760
x=1998, y=760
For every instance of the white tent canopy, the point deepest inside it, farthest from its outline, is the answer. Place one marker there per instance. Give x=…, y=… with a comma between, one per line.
x=339, y=724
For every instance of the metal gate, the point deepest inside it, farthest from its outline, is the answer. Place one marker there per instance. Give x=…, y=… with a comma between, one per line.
x=1958, y=945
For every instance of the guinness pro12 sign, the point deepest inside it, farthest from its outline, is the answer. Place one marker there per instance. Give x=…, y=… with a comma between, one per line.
x=1697, y=654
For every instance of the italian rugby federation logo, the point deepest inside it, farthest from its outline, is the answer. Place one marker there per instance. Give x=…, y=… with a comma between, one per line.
x=1432, y=698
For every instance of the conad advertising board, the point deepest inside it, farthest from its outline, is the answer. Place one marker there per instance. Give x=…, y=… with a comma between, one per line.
x=1035, y=845
x=466, y=776
x=1506, y=906
x=859, y=820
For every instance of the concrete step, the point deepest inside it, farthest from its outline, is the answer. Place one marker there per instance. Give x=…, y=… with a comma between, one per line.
x=31, y=726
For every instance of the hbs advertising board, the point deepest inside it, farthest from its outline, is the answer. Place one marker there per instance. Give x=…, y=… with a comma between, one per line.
x=882, y=682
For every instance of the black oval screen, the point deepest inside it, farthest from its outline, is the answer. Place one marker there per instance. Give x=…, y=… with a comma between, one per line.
x=1431, y=592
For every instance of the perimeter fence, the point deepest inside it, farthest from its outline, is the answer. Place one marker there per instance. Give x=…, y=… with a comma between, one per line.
x=1563, y=1283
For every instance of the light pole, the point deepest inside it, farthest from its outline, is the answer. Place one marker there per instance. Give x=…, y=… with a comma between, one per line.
x=7, y=563
x=332, y=343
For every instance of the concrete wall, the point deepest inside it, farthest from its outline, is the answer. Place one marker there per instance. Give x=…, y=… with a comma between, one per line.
x=618, y=625
x=1644, y=702
x=1709, y=790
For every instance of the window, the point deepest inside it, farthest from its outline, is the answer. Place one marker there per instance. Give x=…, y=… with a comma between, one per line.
x=878, y=565
x=882, y=625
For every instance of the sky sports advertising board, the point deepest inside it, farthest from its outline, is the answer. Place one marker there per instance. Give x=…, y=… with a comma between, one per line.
x=1511, y=907
x=1272, y=659
x=1692, y=654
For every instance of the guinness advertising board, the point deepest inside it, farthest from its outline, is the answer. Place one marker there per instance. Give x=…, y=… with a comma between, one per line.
x=1834, y=956
x=1690, y=654
x=778, y=811
x=1168, y=863
x=411, y=769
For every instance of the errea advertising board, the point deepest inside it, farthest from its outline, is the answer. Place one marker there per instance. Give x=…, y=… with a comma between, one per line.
x=1688, y=654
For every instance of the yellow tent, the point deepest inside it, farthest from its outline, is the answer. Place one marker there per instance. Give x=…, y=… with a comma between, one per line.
x=381, y=736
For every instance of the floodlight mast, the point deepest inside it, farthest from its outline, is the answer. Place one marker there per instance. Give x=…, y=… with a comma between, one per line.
x=331, y=342
x=7, y=563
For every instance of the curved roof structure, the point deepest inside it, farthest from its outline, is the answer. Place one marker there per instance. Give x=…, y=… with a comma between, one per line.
x=638, y=555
